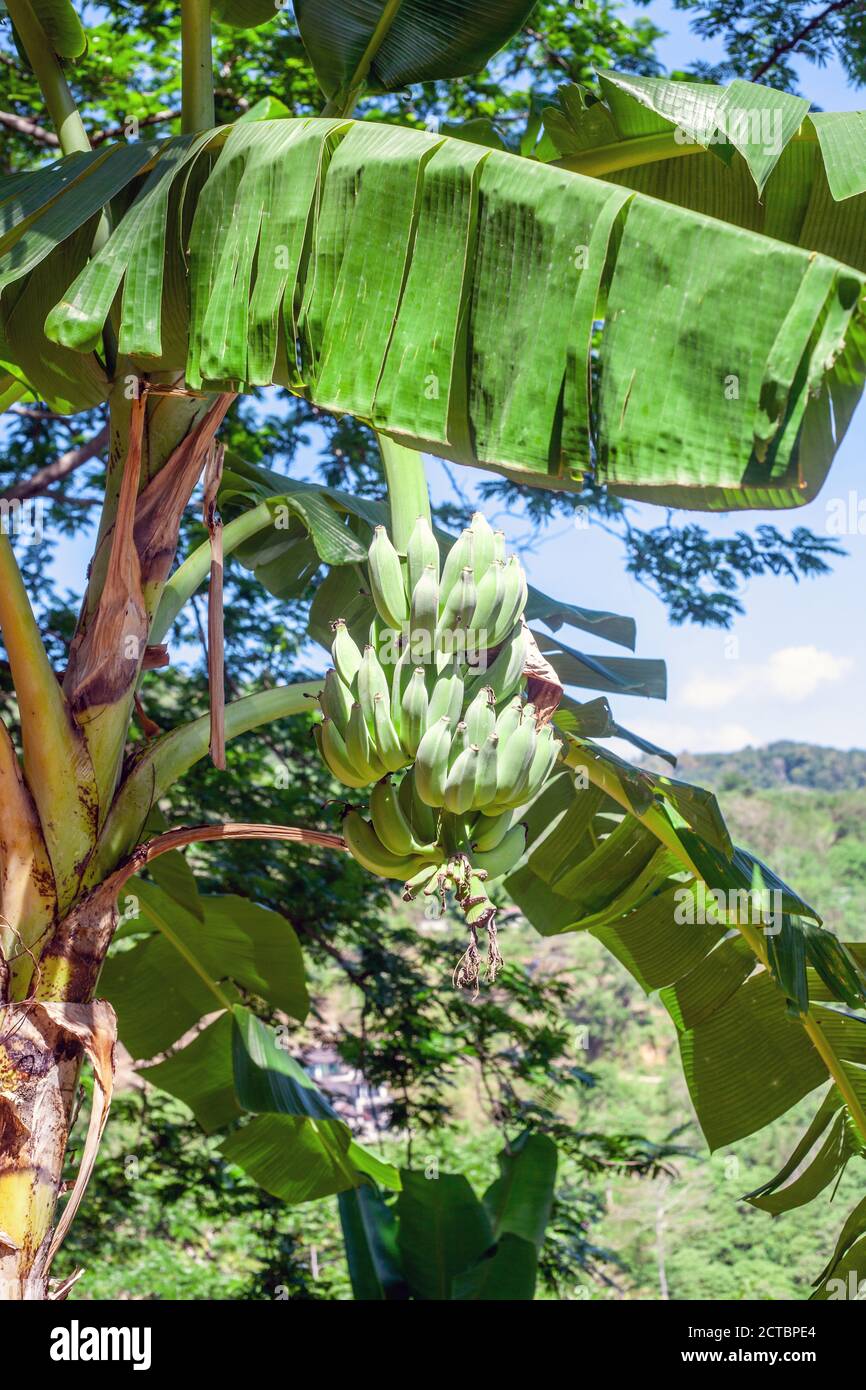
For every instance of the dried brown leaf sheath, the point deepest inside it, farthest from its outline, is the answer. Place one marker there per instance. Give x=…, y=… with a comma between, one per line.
x=543, y=686
x=107, y=660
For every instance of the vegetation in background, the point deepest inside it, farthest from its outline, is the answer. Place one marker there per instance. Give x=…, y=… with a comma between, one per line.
x=631, y=1220
x=609, y=848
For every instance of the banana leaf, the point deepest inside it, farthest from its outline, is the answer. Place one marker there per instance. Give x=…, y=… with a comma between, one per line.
x=355, y=263
x=191, y=952
x=646, y=865
x=415, y=41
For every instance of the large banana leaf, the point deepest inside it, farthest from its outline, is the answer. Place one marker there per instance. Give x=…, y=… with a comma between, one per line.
x=190, y=952
x=181, y=954
x=61, y=26
x=424, y=39
x=745, y=154
x=407, y=40
x=440, y=1243
x=646, y=865
x=447, y=293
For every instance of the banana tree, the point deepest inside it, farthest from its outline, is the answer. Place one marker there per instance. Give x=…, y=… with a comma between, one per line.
x=448, y=294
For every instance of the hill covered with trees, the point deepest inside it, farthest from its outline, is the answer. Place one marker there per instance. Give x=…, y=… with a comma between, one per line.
x=783, y=765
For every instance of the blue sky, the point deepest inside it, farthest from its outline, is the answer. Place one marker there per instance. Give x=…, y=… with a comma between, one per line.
x=793, y=667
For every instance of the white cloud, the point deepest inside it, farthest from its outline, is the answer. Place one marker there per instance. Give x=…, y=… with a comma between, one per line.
x=790, y=674
x=677, y=737
x=796, y=672
x=713, y=692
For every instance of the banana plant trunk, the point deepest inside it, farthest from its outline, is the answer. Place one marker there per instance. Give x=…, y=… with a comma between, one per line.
x=57, y=897
x=40, y=1061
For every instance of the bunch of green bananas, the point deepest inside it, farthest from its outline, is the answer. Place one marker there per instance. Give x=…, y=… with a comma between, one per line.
x=435, y=694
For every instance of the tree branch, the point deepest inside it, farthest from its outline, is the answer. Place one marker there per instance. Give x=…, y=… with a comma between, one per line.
x=155, y=118
x=60, y=468
x=22, y=125
x=814, y=23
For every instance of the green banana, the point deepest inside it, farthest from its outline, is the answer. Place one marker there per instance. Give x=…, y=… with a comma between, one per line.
x=460, y=782
x=505, y=675
x=543, y=761
x=387, y=740
x=423, y=820
x=424, y=616
x=346, y=653
x=458, y=557
x=490, y=831
x=488, y=601
x=484, y=545
x=459, y=743
x=513, y=601
x=370, y=682
x=360, y=748
x=486, y=773
x=507, y=854
x=499, y=546
x=336, y=700
x=508, y=720
x=390, y=823
x=400, y=678
x=422, y=881
x=555, y=752
x=387, y=646
x=431, y=762
x=479, y=908
x=481, y=716
x=386, y=580
x=332, y=747
x=446, y=697
x=414, y=712
x=460, y=604
x=422, y=550
x=371, y=854
x=514, y=761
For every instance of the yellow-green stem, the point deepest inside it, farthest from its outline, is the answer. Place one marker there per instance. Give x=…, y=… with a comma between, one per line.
x=197, y=103
x=408, y=495
x=49, y=74
x=56, y=763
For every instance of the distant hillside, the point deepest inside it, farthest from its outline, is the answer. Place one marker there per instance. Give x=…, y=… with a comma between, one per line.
x=779, y=766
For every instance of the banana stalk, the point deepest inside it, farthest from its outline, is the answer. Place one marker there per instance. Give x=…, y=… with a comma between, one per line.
x=57, y=764
x=28, y=899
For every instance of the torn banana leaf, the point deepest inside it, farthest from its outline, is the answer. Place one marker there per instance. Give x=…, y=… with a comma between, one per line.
x=647, y=866
x=356, y=263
